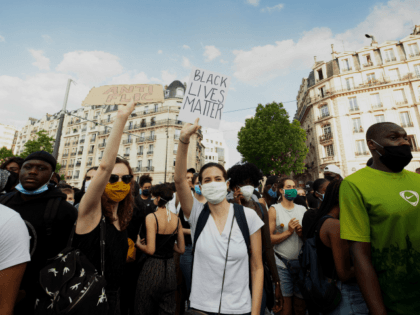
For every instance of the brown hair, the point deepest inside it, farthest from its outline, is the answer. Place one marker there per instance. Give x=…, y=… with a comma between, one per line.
x=125, y=206
x=67, y=191
x=268, y=199
x=208, y=165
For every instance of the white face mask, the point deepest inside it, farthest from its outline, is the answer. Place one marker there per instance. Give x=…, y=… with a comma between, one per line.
x=247, y=192
x=87, y=183
x=71, y=202
x=214, y=192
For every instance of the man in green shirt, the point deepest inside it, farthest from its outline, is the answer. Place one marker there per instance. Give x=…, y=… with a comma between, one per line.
x=380, y=216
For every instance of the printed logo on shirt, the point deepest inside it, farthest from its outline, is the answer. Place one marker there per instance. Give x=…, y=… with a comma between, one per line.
x=410, y=196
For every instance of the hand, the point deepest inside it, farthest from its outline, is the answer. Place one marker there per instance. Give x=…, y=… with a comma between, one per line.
x=188, y=130
x=278, y=306
x=140, y=242
x=292, y=225
x=126, y=110
x=299, y=230
x=237, y=196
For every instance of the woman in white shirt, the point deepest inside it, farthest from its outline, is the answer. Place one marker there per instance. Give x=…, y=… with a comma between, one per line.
x=220, y=232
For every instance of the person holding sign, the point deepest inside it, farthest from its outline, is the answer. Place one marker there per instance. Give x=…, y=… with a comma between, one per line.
x=220, y=232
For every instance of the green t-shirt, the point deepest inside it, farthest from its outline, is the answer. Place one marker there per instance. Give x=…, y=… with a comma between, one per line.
x=383, y=209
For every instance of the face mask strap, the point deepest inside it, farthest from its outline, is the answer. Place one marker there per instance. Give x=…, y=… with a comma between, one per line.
x=379, y=145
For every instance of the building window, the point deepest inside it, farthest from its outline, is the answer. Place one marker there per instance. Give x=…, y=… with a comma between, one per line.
x=322, y=91
x=389, y=55
x=179, y=92
x=417, y=70
x=329, y=150
x=174, y=161
x=139, y=163
x=413, y=50
x=146, y=109
x=150, y=147
x=346, y=65
x=175, y=147
x=367, y=60
x=207, y=140
x=400, y=97
x=64, y=162
x=413, y=144
x=220, y=143
x=326, y=129
x=211, y=141
x=349, y=83
x=394, y=74
x=320, y=75
x=405, y=120
x=109, y=118
x=371, y=77
x=149, y=163
x=379, y=118
x=140, y=151
x=153, y=121
x=152, y=134
x=376, y=100
x=127, y=151
x=130, y=125
x=353, y=104
x=324, y=111
x=166, y=93
x=357, y=125
x=361, y=147
x=156, y=107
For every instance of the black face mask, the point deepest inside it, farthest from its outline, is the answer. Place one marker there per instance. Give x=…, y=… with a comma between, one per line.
x=145, y=192
x=395, y=157
x=301, y=200
x=329, y=177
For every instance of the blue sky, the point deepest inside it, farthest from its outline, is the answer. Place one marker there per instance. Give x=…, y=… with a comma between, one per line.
x=267, y=47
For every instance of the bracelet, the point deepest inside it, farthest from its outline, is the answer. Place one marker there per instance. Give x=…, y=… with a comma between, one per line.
x=183, y=141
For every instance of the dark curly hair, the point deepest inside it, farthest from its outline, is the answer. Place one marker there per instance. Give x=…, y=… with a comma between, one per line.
x=164, y=191
x=241, y=173
x=144, y=179
x=16, y=159
x=125, y=206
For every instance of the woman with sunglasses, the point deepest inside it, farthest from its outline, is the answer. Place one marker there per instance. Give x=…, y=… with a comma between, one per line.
x=108, y=195
x=219, y=285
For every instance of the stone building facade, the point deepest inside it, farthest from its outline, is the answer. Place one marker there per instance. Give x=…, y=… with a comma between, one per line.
x=8, y=136
x=343, y=97
x=150, y=141
x=216, y=148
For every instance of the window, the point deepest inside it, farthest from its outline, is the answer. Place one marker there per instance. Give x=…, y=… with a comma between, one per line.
x=413, y=50
x=129, y=138
x=380, y=118
x=179, y=92
x=367, y=60
x=220, y=143
x=177, y=132
x=389, y=55
x=146, y=109
x=376, y=100
x=357, y=125
x=140, y=151
x=217, y=142
x=175, y=147
x=361, y=147
x=109, y=118
x=130, y=125
x=152, y=134
x=417, y=70
x=150, y=147
x=211, y=149
x=139, y=163
x=69, y=173
x=349, y=83
x=207, y=140
x=101, y=154
x=413, y=144
x=405, y=119
x=90, y=160
x=400, y=97
x=149, y=163
x=371, y=77
x=153, y=121
x=326, y=129
x=394, y=74
x=76, y=174
x=322, y=91
x=64, y=162
x=142, y=135
x=156, y=107
x=346, y=65
x=353, y=104
x=329, y=150
x=211, y=141
x=166, y=93
x=324, y=111
x=174, y=161
x=320, y=76
x=127, y=150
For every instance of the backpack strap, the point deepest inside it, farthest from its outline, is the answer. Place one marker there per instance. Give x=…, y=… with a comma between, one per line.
x=243, y=225
x=102, y=243
x=201, y=223
x=50, y=213
x=262, y=211
x=6, y=198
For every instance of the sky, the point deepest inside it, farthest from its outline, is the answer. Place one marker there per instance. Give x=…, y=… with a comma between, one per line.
x=265, y=46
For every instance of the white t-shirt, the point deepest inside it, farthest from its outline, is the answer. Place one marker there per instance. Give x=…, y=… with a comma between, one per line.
x=209, y=263
x=14, y=239
x=290, y=247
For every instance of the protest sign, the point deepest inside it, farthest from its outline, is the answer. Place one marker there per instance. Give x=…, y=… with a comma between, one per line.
x=123, y=93
x=205, y=98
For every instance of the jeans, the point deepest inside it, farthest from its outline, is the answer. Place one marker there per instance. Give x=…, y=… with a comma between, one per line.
x=288, y=286
x=185, y=263
x=352, y=302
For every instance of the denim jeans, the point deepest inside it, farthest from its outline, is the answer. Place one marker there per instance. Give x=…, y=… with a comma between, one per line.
x=352, y=302
x=185, y=263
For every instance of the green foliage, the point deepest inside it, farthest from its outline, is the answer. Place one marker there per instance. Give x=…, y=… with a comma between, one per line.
x=4, y=153
x=271, y=142
x=41, y=142
x=57, y=168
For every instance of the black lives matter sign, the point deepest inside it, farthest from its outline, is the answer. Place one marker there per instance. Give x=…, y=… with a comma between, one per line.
x=205, y=98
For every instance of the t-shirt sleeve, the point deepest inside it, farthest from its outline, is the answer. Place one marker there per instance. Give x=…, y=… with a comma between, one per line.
x=253, y=220
x=354, y=219
x=14, y=243
x=195, y=213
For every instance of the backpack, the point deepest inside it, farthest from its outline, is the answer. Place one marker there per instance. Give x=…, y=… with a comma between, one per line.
x=72, y=284
x=49, y=216
x=320, y=294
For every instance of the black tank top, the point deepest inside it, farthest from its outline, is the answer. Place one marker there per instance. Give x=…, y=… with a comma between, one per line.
x=325, y=254
x=185, y=225
x=165, y=243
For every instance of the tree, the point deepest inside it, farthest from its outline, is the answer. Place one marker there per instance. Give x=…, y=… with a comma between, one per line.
x=5, y=153
x=271, y=142
x=42, y=142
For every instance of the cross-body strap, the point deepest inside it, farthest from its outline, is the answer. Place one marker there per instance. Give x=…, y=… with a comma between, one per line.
x=201, y=223
x=239, y=212
x=50, y=213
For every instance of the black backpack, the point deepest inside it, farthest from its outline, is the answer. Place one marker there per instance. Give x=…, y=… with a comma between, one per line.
x=49, y=216
x=320, y=294
x=72, y=284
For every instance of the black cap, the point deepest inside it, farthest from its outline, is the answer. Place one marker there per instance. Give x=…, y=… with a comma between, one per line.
x=191, y=170
x=43, y=156
x=271, y=180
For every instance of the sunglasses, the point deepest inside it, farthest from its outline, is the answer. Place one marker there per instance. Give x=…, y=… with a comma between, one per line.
x=125, y=178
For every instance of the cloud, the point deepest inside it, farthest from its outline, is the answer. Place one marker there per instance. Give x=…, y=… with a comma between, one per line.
x=168, y=77
x=186, y=47
x=47, y=39
x=160, y=52
x=41, y=62
x=255, y=3
x=223, y=61
x=2, y=39
x=277, y=7
x=211, y=52
x=91, y=67
x=260, y=64
x=130, y=78
x=186, y=63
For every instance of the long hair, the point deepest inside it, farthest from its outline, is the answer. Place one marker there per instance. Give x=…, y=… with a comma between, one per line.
x=125, y=206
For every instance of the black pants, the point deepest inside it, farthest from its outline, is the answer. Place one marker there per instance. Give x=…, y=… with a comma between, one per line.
x=113, y=298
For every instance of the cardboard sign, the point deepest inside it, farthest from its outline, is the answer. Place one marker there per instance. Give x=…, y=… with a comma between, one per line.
x=205, y=98
x=123, y=94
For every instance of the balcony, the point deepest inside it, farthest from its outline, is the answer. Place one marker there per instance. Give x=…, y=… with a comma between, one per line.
x=390, y=60
x=361, y=153
x=78, y=164
x=401, y=103
x=324, y=115
x=78, y=121
x=151, y=138
x=325, y=137
x=107, y=121
x=76, y=177
x=95, y=117
x=74, y=130
x=73, y=154
x=71, y=165
x=126, y=154
x=84, y=129
x=67, y=144
x=145, y=169
x=128, y=141
x=140, y=140
x=348, y=69
x=101, y=145
x=80, y=152
x=368, y=64
x=92, y=140
x=175, y=151
x=82, y=141
x=100, y=157
x=89, y=164
x=378, y=105
x=68, y=177
x=328, y=159
x=70, y=123
x=65, y=155
x=74, y=142
x=90, y=152
x=414, y=55
x=139, y=152
x=406, y=125
x=149, y=152
x=358, y=130
x=354, y=109
x=101, y=133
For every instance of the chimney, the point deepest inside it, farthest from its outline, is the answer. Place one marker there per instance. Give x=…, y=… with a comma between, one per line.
x=315, y=59
x=332, y=51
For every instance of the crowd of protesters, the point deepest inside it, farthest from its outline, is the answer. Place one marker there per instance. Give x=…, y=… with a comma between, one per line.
x=212, y=242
